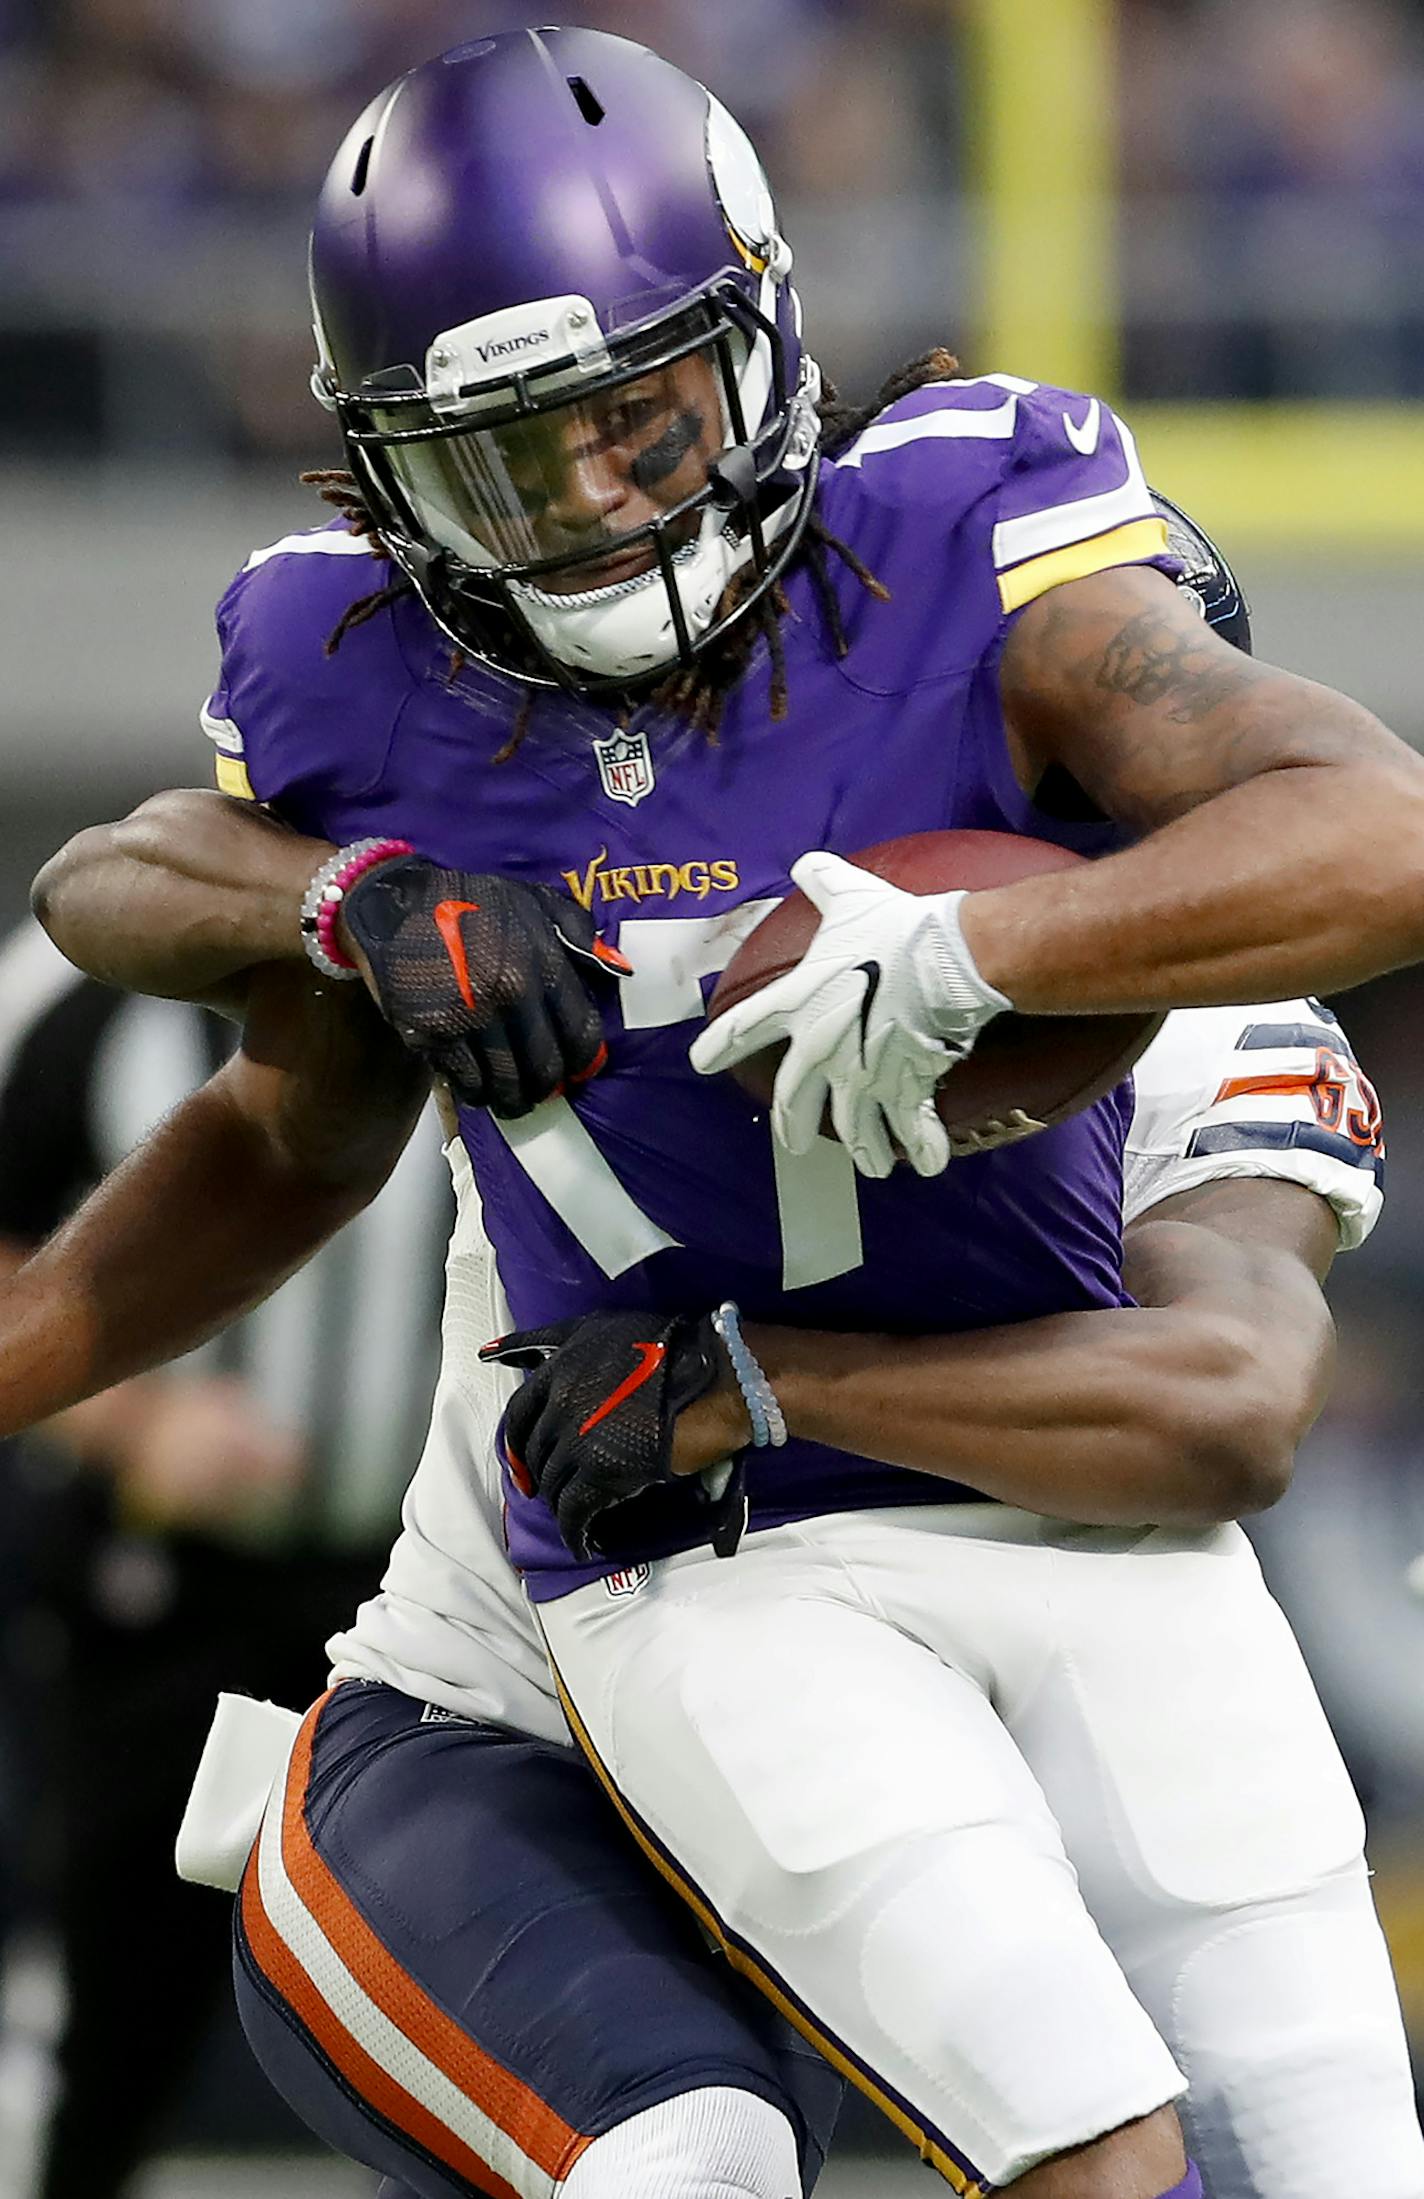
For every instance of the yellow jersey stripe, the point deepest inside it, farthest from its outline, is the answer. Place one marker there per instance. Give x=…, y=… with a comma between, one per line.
x=1140, y=538
x=742, y=1961
x=233, y=779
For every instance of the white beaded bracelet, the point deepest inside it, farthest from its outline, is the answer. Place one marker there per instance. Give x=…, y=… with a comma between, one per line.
x=321, y=903
x=763, y=1409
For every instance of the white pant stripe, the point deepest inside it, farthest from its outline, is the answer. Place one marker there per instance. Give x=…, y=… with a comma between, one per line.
x=373, y=2031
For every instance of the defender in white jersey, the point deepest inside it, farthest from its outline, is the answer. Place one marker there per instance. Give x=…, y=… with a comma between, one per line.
x=1127, y=1704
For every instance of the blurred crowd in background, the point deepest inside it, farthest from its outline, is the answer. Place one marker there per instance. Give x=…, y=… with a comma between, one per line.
x=1272, y=236
x=158, y=160
x=190, y=135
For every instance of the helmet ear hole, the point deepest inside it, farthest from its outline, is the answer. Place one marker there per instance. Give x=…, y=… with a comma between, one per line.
x=362, y=169
x=587, y=101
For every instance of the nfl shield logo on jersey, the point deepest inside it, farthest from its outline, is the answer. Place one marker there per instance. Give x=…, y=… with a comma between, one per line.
x=625, y=765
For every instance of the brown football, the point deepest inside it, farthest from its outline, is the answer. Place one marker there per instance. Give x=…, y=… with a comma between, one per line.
x=1026, y=1072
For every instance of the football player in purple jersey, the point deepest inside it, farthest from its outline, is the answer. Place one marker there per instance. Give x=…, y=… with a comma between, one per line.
x=458, y=1823
x=654, y=620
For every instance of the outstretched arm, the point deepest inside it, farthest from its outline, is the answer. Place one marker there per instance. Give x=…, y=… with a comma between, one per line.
x=219, y=1205
x=1285, y=826
x=1184, y=1409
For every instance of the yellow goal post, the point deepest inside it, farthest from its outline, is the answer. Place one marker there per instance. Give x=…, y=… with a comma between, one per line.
x=1336, y=478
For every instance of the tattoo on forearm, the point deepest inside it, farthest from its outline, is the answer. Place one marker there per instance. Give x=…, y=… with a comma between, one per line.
x=1150, y=662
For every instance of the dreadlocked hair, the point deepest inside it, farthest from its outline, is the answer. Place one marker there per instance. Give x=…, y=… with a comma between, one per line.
x=696, y=692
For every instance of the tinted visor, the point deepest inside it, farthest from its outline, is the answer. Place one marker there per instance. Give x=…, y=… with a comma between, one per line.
x=577, y=473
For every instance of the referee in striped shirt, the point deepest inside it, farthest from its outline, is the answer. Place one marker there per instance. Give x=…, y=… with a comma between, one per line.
x=204, y=1527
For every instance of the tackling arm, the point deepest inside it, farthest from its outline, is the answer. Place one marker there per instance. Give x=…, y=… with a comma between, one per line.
x=193, y=890
x=1183, y=1410
x=1285, y=847
x=183, y=898
x=219, y=1205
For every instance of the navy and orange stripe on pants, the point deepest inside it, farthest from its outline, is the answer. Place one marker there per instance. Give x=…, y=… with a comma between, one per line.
x=455, y=1967
x=377, y=2025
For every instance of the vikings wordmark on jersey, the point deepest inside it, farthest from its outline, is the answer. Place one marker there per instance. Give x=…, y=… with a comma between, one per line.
x=599, y=881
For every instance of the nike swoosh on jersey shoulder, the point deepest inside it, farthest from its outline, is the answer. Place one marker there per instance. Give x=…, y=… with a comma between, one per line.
x=1085, y=437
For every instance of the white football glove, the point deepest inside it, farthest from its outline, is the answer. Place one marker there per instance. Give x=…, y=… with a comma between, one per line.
x=886, y=998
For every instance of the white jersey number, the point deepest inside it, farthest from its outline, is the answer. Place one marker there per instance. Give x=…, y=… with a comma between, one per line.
x=815, y=1192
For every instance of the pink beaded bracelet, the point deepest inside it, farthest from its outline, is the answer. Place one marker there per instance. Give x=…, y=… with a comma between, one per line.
x=321, y=903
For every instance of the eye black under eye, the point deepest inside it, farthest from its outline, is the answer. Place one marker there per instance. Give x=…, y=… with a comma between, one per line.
x=661, y=459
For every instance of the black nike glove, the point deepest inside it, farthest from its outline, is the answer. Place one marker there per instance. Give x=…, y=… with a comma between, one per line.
x=485, y=978
x=592, y=1426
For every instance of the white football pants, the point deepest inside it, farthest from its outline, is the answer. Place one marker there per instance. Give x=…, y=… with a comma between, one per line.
x=1032, y=1827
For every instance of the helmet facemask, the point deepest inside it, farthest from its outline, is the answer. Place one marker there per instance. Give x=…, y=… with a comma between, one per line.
x=572, y=505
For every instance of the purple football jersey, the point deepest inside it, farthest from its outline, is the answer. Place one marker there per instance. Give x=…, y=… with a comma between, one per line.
x=653, y=1186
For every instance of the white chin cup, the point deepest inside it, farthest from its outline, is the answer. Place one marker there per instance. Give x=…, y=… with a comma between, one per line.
x=626, y=631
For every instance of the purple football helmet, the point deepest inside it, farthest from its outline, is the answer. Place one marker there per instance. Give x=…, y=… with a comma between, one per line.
x=554, y=321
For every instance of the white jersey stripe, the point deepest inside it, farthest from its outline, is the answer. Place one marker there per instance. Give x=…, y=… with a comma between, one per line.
x=372, y=2030
x=224, y=733
x=318, y=544
x=996, y=425
x=1015, y=382
x=1130, y=545
x=1038, y=532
